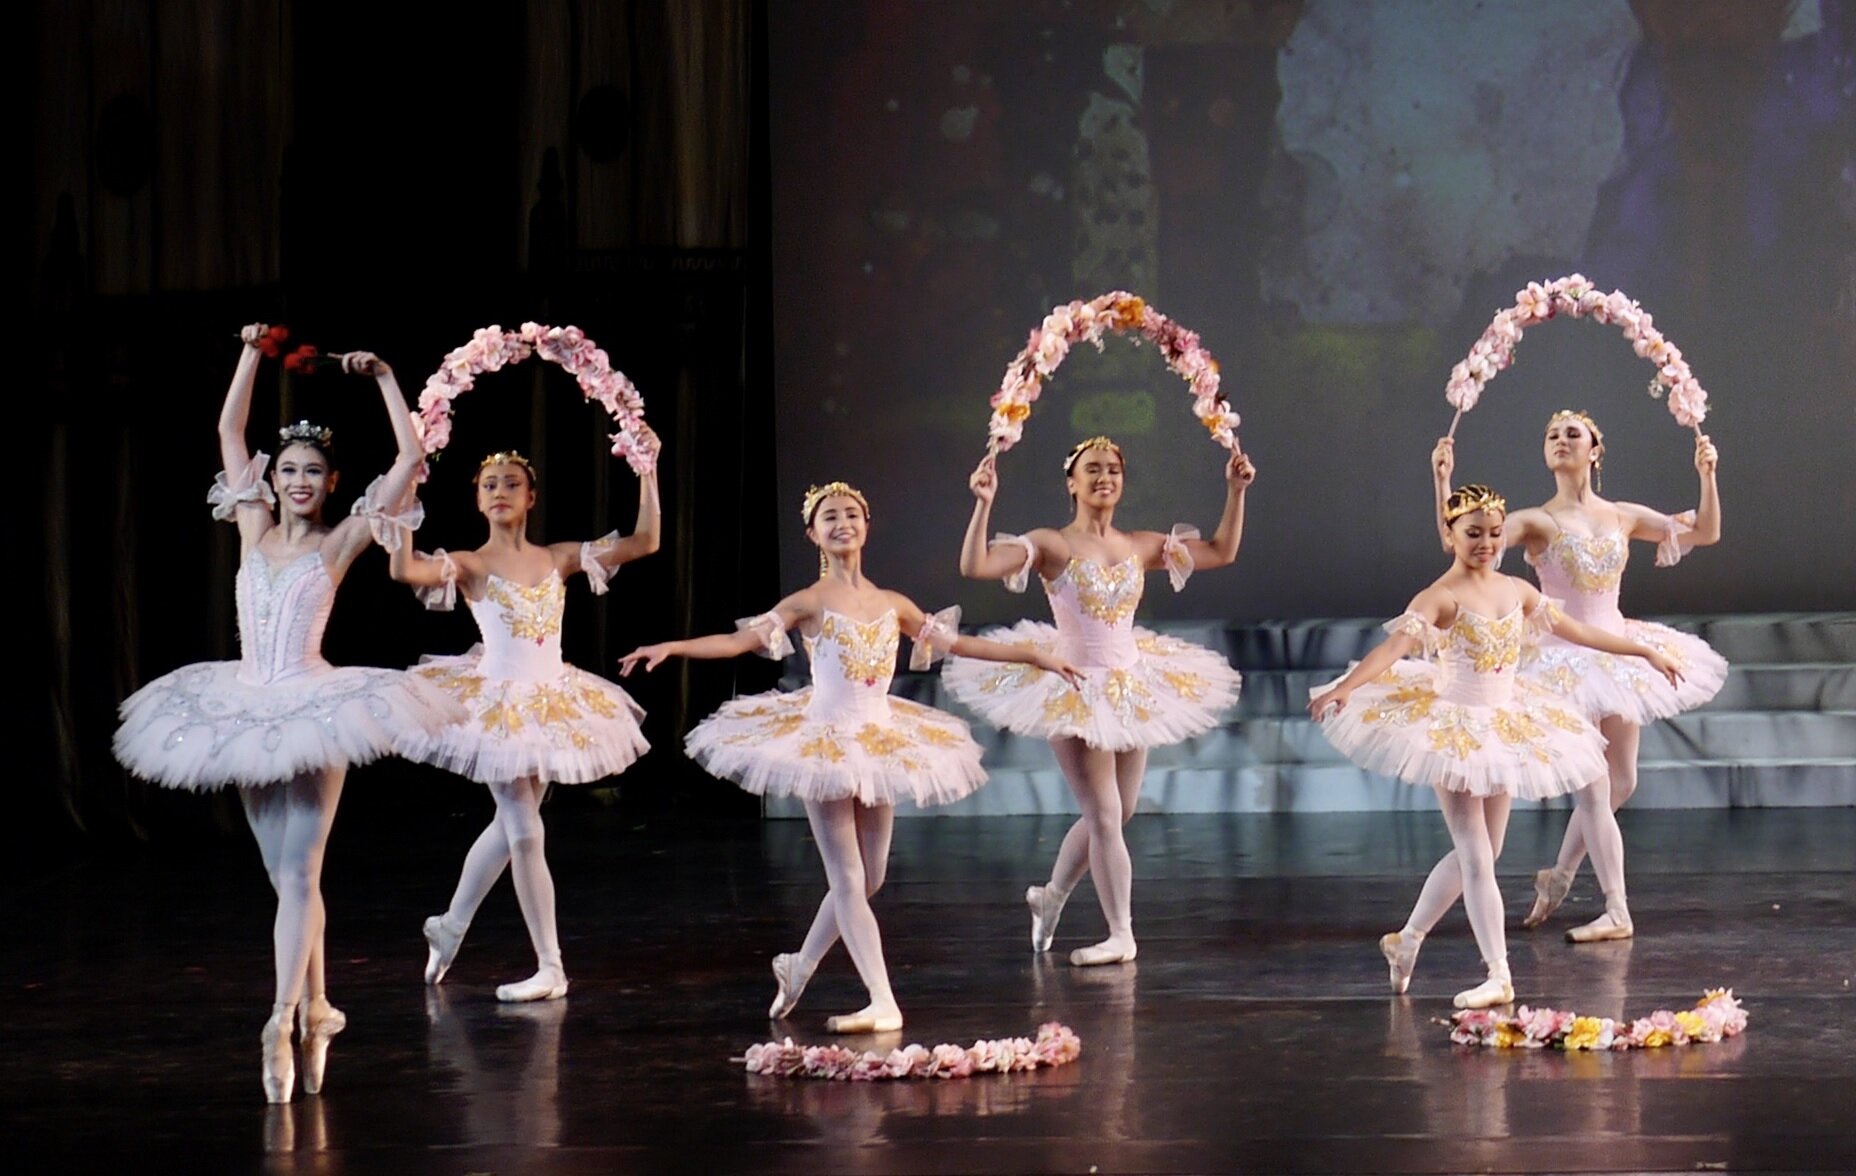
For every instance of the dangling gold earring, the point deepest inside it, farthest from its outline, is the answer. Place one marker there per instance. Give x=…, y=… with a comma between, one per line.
x=824, y=565
x=1598, y=475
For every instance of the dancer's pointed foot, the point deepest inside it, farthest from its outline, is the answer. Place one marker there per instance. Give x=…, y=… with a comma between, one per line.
x=1401, y=951
x=1613, y=924
x=318, y=1022
x=1498, y=989
x=1109, y=951
x=279, y=1059
x=791, y=973
x=1550, y=890
x=869, y=1019
x=550, y=983
x=1046, y=905
x=442, y=943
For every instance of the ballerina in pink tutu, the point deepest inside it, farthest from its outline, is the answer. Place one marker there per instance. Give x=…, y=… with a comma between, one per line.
x=1463, y=723
x=1143, y=690
x=281, y=724
x=843, y=745
x=1578, y=544
x=533, y=719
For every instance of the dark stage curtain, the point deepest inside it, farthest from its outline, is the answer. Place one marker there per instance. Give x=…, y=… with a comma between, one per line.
x=199, y=164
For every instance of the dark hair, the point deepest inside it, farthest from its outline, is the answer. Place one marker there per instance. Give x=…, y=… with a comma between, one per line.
x=323, y=449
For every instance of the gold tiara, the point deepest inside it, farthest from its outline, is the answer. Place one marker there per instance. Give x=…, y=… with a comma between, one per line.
x=303, y=433
x=1470, y=499
x=506, y=457
x=1583, y=417
x=817, y=494
x=1097, y=442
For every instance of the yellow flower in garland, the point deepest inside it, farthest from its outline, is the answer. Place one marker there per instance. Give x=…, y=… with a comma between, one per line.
x=1509, y=1035
x=1584, y=1033
x=1691, y=1024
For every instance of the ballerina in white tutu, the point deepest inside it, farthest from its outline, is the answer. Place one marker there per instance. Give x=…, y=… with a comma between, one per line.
x=1578, y=544
x=1142, y=690
x=843, y=745
x=533, y=719
x=1464, y=723
x=281, y=724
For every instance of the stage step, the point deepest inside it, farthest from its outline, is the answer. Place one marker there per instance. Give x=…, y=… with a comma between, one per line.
x=1782, y=731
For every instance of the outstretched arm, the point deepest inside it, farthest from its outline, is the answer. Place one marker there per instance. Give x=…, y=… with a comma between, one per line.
x=1592, y=637
x=915, y=624
x=794, y=610
x=1432, y=606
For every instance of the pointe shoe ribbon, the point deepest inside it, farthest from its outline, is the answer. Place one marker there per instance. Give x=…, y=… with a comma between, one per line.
x=1046, y=909
x=441, y=948
x=547, y=984
x=1550, y=890
x=1101, y=953
x=279, y=1059
x=864, y=1022
x=318, y=1022
x=792, y=976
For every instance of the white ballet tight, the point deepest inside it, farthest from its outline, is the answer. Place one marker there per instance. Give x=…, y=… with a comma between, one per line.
x=1621, y=760
x=291, y=822
x=853, y=839
x=1477, y=826
x=514, y=838
x=1107, y=787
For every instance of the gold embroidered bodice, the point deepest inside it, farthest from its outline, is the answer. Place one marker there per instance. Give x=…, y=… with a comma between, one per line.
x=1093, y=604
x=521, y=627
x=852, y=664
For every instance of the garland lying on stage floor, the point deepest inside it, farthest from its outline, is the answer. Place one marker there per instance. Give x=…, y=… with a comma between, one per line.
x=1056, y=1045
x=1718, y=1015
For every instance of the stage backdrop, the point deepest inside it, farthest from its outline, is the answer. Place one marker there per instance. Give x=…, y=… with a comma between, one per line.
x=1337, y=195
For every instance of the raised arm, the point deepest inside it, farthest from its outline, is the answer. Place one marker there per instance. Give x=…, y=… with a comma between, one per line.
x=998, y=561
x=253, y=515
x=1705, y=529
x=1221, y=549
x=1443, y=464
x=599, y=557
x=352, y=535
x=762, y=634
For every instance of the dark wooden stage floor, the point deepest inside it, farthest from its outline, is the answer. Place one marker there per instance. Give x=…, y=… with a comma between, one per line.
x=1254, y=1033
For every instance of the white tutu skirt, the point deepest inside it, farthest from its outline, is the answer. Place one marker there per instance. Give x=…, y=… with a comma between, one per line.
x=1175, y=690
x=1531, y=747
x=201, y=728
x=1600, y=685
x=572, y=729
x=768, y=745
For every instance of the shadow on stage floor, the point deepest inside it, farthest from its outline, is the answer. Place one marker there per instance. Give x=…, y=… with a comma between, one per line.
x=1253, y=1034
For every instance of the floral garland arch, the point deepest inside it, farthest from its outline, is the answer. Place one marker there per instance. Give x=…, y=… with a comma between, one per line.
x=1576, y=297
x=1717, y=1016
x=491, y=349
x=1087, y=322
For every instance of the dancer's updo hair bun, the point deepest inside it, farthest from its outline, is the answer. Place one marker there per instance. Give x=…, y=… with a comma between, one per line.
x=1471, y=498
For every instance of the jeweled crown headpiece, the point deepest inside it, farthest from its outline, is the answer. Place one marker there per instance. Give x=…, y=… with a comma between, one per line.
x=1583, y=417
x=1470, y=499
x=818, y=494
x=1083, y=447
x=304, y=433
x=507, y=457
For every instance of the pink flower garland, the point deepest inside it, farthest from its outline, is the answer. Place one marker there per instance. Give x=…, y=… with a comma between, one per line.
x=1087, y=322
x=1577, y=297
x=1056, y=1045
x=492, y=349
x=1718, y=1016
